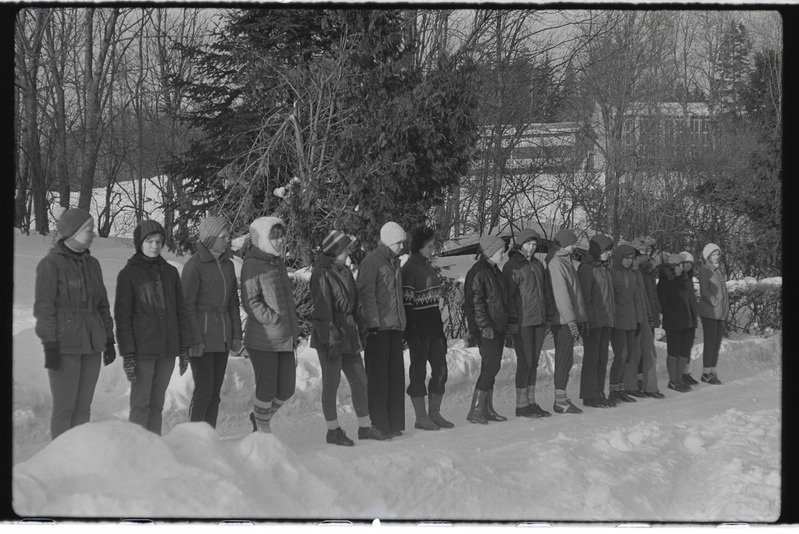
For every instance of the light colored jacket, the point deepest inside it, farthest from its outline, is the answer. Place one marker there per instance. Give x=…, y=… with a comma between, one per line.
x=380, y=290
x=569, y=304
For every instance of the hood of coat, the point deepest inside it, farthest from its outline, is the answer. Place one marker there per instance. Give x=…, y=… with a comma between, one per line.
x=259, y=233
x=620, y=252
x=666, y=270
x=144, y=229
x=516, y=257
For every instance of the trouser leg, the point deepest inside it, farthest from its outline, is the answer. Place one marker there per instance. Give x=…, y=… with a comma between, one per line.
x=377, y=347
x=87, y=381
x=352, y=365
x=564, y=355
x=331, y=377
x=162, y=372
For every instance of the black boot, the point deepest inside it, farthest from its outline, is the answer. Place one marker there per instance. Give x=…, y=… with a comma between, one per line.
x=624, y=397
x=423, y=422
x=488, y=409
x=370, y=432
x=434, y=410
x=476, y=408
x=337, y=436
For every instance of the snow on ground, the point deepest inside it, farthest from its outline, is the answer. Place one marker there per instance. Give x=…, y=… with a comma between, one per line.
x=710, y=455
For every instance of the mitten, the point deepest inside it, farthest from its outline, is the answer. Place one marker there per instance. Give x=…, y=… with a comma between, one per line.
x=487, y=332
x=129, y=365
x=197, y=350
x=236, y=346
x=574, y=330
x=513, y=329
x=582, y=329
x=110, y=353
x=52, y=358
x=183, y=361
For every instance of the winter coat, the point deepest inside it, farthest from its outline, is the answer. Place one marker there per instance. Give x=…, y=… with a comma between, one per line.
x=485, y=298
x=643, y=312
x=647, y=270
x=596, y=283
x=71, y=305
x=626, y=300
x=149, y=311
x=211, y=295
x=380, y=290
x=714, y=301
x=675, y=300
x=569, y=303
x=526, y=282
x=336, y=308
x=688, y=279
x=267, y=297
x=421, y=293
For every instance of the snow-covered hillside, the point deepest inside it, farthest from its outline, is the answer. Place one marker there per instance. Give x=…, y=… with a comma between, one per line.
x=711, y=455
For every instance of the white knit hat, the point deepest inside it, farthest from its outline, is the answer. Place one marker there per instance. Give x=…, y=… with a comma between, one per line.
x=686, y=256
x=392, y=233
x=708, y=250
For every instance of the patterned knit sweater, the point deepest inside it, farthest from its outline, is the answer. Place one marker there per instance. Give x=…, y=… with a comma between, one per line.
x=421, y=292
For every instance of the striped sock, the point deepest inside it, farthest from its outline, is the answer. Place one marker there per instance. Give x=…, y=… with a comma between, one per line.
x=560, y=396
x=521, y=398
x=364, y=422
x=706, y=370
x=531, y=394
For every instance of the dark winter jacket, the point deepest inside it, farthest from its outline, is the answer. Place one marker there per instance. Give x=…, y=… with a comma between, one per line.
x=675, y=300
x=625, y=291
x=268, y=299
x=336, y=308
x=569, y=303
x=380, y=290
x=71, y=305
x=421, y=293
x=688, y=279
x=596, y=282
x=643, y=311
x=526, y=282
x=714, y=301
x=647, y=270
x=148, y=309
x=211, y=294
x=485, y=298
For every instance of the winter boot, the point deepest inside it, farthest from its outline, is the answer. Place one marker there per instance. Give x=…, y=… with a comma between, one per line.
x=710, y=378
x=679, y=386
x=688, y=379
x=423, y=422
x=565, y=406
x=488, y=409
x=434, y=411
x=624, y=397
x=607, y=401
x=613, y=398
x=370, y=432
x=476, y=408
x=337, y=436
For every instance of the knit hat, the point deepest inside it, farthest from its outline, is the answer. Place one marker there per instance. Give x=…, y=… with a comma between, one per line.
x=144, y=229
x=598, y=244
x=490, y=244
x=565, y=237
x=71, y=221
x=686, y=256
x=210, y=228
x=335, y=242
x=708, y=250
x=391, y=233
x=525, y=235
x=675, y=259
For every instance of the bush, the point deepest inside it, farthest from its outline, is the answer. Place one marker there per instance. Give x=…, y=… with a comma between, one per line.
x=301, y=290
x=755, y=307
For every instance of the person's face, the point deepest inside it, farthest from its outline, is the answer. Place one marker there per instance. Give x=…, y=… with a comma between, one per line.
x=627, y=261
x=343, y=255
x=678, y=269
x=427, y=248
x=221, y=242
x=569, y=248
x=277, y=237
x=85, y=235
x=687, y=265
x=529, y=248
x=498, y=255
x=605, y=255
x=152, y=245
x=396, y=247
x=715, y=256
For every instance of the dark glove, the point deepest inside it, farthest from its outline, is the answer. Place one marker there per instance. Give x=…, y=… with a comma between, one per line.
x=637, y=328
x=582, y=329
x=487, y=332
x=574, y=330
x=110, y=353
x=183, y=361
x=52, y=358
x=513, y=329
x=236, y=346
x=129, y=365
x=196, y=350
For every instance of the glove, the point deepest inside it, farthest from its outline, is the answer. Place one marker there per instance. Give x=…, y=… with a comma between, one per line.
x=236, y=346
x=487, y=332
x=513, y=329
x=52, y=358
x=110, y=353
x=129, y=365
x=582, y=329
x=333, y=351
x=574, y=330
x=183, y=361
x=372, y=332
x=637, y=328
x=197, y=350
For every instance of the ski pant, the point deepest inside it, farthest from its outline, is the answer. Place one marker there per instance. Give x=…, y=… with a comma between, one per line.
x=564, y=354
x=595, y=363
x=352, y=366
x=275, y=374
x=490, y=359
x=385, y=373
x=680, y=342
x=72, y=389
x=421, y=352
x=147, y=392
x=714, y=332
x=623, y=342
x=528, y=343
x=209, y=372
x=642, y=356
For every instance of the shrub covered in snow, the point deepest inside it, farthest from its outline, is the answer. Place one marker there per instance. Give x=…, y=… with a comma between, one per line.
x=755, y=306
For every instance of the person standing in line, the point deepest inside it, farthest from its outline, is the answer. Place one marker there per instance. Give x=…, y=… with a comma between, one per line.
x=525, y=278
x=714, y=309
x=485, y=303
x=336, y=338
x=568, y=315
x=679, y=320
x=640, y=376
x=688, y=274
x=211, y=295
x=626, y=303
x=380, y=292
x=151, y=324
x=644, y=263
x=73, y=320
x=596, y=282
x=272, y=327
x=424, y=332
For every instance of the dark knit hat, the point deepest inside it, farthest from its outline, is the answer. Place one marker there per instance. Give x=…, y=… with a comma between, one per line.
x=335, y=242
x=490, y=244
x=525, y=235
x=144, y=229
x=598, y=244
x=71, y=221
x=565, y=237
x=210, y=228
